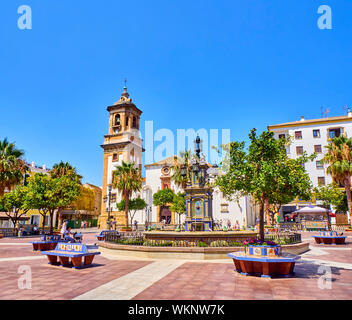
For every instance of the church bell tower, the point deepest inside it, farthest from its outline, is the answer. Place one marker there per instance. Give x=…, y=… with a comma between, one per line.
x=122, y=143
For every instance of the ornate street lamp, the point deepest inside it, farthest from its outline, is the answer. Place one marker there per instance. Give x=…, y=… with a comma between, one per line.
x=184, y=170
x=197, y=146
x=25, y=176
x=195, y=167
x=108, y=198
x=148, y=210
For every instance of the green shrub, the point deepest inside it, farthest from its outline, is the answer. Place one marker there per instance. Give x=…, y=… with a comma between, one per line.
x=130, y=241
x=153, y=243
x=236, y=244
x=202, y=244
x=219, y=243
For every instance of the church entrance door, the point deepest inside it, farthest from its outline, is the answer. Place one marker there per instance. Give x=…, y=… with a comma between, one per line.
x=165, y=214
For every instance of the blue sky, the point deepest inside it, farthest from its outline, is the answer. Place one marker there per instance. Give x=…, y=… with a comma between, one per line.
x=190, y=64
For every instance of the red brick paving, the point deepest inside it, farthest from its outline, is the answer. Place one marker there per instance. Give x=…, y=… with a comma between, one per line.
x=220, y=282
x=17, y=251
x=56, y=282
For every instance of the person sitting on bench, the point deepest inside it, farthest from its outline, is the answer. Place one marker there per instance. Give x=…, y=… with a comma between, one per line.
x=68, y=235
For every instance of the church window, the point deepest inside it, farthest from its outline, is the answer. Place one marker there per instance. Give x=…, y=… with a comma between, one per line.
x=126, y=121
x=117, y=120
x=134, y=123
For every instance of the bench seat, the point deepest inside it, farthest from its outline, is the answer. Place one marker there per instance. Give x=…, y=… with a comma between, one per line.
x=44, y=245
x=78, y=253
x=330, y=239
x=265, y=266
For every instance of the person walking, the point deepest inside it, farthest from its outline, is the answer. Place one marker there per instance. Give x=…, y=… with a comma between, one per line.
x=135, y=225
x=114, y=223
x=63, y=229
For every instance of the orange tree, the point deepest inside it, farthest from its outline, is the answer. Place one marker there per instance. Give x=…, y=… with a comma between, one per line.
x=265, y=172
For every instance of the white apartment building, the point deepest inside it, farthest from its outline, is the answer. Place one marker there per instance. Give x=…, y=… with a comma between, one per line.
x=312, y=136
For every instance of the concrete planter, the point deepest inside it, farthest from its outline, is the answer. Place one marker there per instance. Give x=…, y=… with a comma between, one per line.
x=186, y=253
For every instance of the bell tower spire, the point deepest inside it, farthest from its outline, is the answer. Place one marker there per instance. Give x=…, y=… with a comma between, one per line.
x=122, y=143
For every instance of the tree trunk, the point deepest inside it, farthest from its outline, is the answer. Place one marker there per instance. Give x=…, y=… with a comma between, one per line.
x=43, y=224
x=267, y=212
x=14, y=222
x=261, y=220
x=51, y=221
x=349, y=199
x=60, y=218
x=127, y=201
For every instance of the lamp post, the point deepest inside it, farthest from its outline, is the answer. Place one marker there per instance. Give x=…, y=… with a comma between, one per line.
x=25, y=176
x=148, y=209
x=108, y=199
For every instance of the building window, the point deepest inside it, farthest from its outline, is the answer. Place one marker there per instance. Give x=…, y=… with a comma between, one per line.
x=224, y=207
x=298, y=134
x=117, y=120
x=321, y=181
x=113, y=197
x=126, y=121
x=282, y=136
x=299, y=150
x=317, y=148
x=115, y=157
x=134, y=123
x=333, y=133
x=316, y=133
x=319, y=164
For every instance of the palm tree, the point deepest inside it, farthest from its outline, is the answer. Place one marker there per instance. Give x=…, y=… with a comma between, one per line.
x=62, y=169
x=12, y=166
x=65, y=169
x=339, y=159
x=176, y=177
x=127, y=179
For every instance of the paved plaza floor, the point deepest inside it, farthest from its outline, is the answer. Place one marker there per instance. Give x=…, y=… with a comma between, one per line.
x=122, y=278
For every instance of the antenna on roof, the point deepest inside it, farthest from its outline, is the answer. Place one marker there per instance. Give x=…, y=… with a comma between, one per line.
x=324, y=112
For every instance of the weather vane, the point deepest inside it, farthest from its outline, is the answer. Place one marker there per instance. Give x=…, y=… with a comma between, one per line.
x=125, y=81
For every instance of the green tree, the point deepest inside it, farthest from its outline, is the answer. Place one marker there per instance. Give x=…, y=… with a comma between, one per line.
x=13, y=203
x=339, y=161
x=163, y=197
x=134, y=206
x=179, y=205
x=47, y=194
x=330, y=195
x=176, y=177
x=127, y=179
x=64, y=169
x=265, y=172
x=12, y=166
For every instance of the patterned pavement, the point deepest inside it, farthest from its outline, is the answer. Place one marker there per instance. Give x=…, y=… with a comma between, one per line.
x=141, y=279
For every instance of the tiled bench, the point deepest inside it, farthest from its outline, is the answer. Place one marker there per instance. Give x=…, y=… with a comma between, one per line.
x=77, y=253
x=46, y=242
x=264, y=265
x=330, y=237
